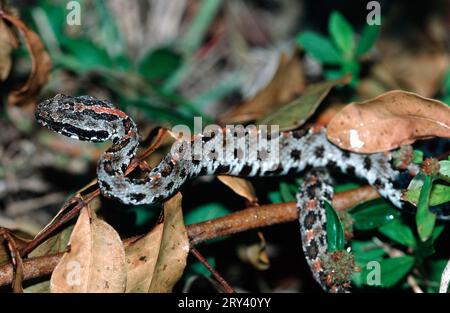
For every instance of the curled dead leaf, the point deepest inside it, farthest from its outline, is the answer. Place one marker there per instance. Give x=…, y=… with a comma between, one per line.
x=8, y=42
x=40, y=65
x=287, y=83
x=388, y=121
x=241, y=186
x=255, y=254
x=95, y=261
x=156, y=261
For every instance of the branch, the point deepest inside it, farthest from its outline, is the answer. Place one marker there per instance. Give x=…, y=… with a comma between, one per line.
x=247, y=219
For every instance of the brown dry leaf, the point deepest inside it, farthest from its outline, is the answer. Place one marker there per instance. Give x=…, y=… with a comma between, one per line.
x=287, y=83
x=255, y=254
x=327, y=114
x=388, y=121
x=8, y=42
x=40, y=65
x=419, y=72
x=5, y=254
x=156, y=261
x=95, y=261
x=241, y=186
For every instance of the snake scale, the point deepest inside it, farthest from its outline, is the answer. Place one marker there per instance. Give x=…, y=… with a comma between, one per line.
x=87, y=118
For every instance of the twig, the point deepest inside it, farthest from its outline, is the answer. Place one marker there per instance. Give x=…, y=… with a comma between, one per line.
x=219, y=278
x=445, y=279
x=250, y=218
x=413, y=284
x=265, y=215
x=32, y=268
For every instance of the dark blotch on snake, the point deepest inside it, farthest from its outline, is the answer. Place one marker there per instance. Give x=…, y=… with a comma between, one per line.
x=367, y=163
x=310, y=219
x=319, y=152
x=169, y=185
x=296, y=154
x=137, y=196
x=350, y=170
x=246, y=169
x=312, y=249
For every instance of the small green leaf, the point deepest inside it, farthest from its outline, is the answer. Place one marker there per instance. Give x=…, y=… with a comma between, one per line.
x=365, y=251
x=295, y=113
x=444, y=170
x=342, y=33
x=435, y=273
x=159, y=64
x=373, y=214
x=440, y=193
x=319, y=47
x=446, y=83
x=417, y=156
x=425, y=219
x=437, y=231
x=275, y=196
x=88, y=56
x=335, y=232
x=368, y=38
x=285, y=192
x=399, y=232
x=393, y=270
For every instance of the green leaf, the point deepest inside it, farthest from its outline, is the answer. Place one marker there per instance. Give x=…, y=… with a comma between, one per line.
x=285, y=192
x=205, y=212
x=437, y=231
x=275, y=196
x=444, y=170
x=342, y=33
x=393, y=270
x=319, y=47
x=446, y=83
x=365, y=251
x=88, y=56
x=435, y=273
x=159, y=64
x=440, y=193
x=335, y=232
x=417, y=156
x=425, y=219
x=295, y=113
x=399, y=232
x=367, y=40
x=373, y=214
x=193, y=38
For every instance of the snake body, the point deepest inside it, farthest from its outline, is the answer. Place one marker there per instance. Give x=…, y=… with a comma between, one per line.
x=87, y=118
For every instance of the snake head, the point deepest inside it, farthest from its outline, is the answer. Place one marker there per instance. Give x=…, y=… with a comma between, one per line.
x=80, y=118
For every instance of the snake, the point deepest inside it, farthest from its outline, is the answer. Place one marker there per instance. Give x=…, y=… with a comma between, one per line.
x=90, y=119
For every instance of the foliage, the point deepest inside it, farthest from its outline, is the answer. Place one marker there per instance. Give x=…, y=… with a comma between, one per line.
x=341, y=49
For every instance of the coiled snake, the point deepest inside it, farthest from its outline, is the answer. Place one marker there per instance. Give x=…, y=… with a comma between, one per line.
x=87, y=118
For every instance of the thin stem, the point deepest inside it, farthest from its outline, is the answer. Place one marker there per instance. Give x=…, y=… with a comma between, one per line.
x=219, y=278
